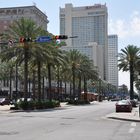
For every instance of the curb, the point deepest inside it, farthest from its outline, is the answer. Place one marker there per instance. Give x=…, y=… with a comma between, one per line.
x=124, y=119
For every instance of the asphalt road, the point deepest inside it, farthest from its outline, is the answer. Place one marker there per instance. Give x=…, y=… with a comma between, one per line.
x=67, y=123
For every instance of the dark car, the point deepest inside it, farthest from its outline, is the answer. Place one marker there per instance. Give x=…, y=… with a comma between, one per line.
x=123, y=106
x=134, y=103
x=4, y=101
x=22, y=99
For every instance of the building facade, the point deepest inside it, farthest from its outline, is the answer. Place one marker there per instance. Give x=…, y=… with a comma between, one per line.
x=89, y=23
x=8, y=15
x=113, y=59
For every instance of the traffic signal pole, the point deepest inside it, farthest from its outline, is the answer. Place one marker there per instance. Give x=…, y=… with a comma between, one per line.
x=40, y=39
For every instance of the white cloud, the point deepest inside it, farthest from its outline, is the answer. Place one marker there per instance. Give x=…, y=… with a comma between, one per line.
x=126, y=28
x=124, y=78
x=135, y=24
x=118, y=27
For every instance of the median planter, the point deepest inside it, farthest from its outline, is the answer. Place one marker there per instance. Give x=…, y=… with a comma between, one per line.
x=78, y=102
x=31, y=105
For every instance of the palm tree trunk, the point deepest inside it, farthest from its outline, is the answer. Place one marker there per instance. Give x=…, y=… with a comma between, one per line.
x=58, y=84
x=79, y=88
x=10, y=84
x=39, y=80
x=85, y=89
x=70, y=92
x=65, y=88
x=34, y=85
x=29, y=81
x=61, y=90
x=73, y=73
x=25, y=72
x=49, y=79
x=131, y=81
x=43, y=88
x=16, y=81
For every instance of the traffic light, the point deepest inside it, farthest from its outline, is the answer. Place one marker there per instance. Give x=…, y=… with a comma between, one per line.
x=22, y=39
x=63, y=37
x=29, y=39
x=60, y=37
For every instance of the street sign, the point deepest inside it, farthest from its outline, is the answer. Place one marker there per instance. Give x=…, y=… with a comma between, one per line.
x=42, y=39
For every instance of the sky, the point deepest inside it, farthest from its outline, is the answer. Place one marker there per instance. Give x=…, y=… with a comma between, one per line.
x=123, y=19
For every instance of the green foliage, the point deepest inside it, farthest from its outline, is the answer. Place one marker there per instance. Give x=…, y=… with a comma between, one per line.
x=78, y=102
x=31, y=105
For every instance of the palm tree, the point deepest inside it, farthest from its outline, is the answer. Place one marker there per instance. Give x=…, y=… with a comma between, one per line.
x=56, y=57
x=6, y=74
x=127, y=62
x=38, y=58
x=25, y=28
x=73, y=59
x=88, y=72
x=137, y=76
x=81, y=68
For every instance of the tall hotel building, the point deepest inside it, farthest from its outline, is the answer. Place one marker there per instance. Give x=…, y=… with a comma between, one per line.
x=8, y=15
x=89, y=23
x=113, y=59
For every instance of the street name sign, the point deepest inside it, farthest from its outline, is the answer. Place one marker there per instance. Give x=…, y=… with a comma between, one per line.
x=42, y=39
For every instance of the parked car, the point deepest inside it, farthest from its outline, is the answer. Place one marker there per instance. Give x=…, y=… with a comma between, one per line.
x=134, y=103
x=4, y=101
x=123, y=106
x=12, y=102
x=22, y=99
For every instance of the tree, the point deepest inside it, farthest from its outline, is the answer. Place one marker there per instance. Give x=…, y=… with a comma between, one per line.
x=25, y=28
x=88, y=72
x=73, y=59
x=80, y=68
x=127, y=62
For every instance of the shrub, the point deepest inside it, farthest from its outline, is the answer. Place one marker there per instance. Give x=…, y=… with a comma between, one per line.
x=26, y=105
x=78, y=102
x=30, y=105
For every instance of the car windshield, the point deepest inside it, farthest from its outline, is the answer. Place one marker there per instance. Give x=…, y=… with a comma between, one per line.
x=123, y=102
x=1, y=99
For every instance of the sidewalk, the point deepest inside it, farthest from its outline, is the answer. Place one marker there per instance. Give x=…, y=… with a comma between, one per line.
x=5, y=108
x=133, y=116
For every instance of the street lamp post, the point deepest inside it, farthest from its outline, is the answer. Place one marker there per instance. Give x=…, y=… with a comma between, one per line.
x=139, y=95
x=99, y=94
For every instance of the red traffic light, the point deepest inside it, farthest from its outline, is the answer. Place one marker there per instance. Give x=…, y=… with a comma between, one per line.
x=22, y=39
x=57, y=37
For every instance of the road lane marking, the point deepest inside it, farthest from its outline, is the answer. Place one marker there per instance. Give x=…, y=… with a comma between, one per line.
x=133, y=124
x=131, y=130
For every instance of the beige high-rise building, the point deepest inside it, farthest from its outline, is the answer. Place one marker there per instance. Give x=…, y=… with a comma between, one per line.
x=8, y=15
x=89, y=23
x=113, y=60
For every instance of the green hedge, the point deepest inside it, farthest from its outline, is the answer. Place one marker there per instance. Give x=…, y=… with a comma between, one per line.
x=31, y=105
x=78, y=102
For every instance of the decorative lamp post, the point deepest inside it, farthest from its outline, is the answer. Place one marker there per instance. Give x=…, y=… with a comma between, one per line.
x=99, y=94
x=139, y=94
x=139, y=85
